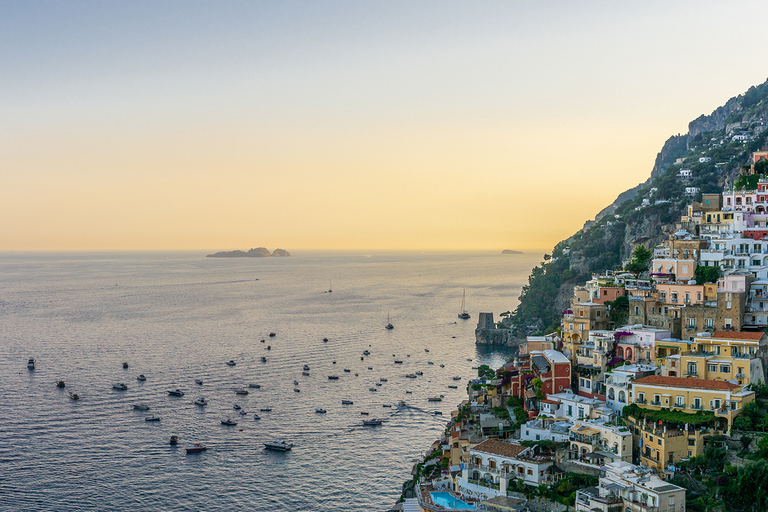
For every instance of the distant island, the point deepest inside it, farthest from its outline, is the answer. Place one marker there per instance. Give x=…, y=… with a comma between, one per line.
x=510, y=251
x=259, y=252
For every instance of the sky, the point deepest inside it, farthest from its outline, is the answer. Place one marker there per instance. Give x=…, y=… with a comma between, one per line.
x=398, y=125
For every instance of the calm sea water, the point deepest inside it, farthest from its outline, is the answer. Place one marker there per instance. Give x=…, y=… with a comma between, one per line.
x=175, y=317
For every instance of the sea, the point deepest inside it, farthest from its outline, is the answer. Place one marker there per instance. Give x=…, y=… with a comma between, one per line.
x=179, y=316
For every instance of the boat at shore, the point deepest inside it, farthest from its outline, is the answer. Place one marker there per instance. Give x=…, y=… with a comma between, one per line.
x=279, y=446
x=231, y=363
x=241, y=392
x=453, y=387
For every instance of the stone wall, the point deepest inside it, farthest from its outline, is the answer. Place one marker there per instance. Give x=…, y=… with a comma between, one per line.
x=545, y=505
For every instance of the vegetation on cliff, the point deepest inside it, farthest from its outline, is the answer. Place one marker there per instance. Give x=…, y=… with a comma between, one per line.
x=646, y=215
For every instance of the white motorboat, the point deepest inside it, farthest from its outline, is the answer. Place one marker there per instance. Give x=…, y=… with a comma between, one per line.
x=295, y=383
x=370, y=367
x=372, y=422
x=152, y=418
x=306, y=367
x=372, y=389
x=119, y=386
x=437, y=413
x=386, y=405
x=125, y=365
x=453, y=387
x=31, y=363
x=201, y=401
x=306, y=374
x=175, y=392
x=366, y=352
x=236, y=407
x=195, y=448
x=321, y=411
x=411, y=375
x=347, y=370
x=419, y=373
x=430, y=362
x=199, y=382
x=141, y=407
x=280, y=446
x=389, y=324
x=296, y=390
x=141, y=378
x=231, y=363
x=442, y=366
x=254, y=386
x=242, y=412
x=379, y=384
x=383, y=379
x=265, y=409
x=256, y=417
x=346, y=402
x=74, y=396
x=229, y=422
x=60, y=384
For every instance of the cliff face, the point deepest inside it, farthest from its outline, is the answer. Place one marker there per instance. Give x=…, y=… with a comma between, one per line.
x=646, y=214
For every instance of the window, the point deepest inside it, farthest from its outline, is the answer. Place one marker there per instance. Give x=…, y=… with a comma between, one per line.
x=588, y=383
x=716, y=403
x=680, y=401
x=691, y=442
x=637, y=310
x=727, y=304
x=712, y=367
x=727, y=322
x=691, y=323
x=530, y=472
x=641, y=398
x=710, y=323
x=570, y=410
x=724, y=368
x=581, y=313
x=656, y=399
x=671, y=501
x=697, y=403
x=598, y=314
x=581, y=383
x=687, y=298
x=538, y=437
x=698, y=296
x=690, y=453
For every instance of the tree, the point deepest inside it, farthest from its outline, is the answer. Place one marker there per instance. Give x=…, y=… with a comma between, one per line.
x=707, y=274
x=642, y=255
x=619, y=310
x=761, y=167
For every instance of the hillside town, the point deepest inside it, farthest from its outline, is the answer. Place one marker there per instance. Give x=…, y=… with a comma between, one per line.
x=648, y=394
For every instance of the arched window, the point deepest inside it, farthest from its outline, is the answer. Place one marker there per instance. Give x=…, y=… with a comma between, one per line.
x=611, y=394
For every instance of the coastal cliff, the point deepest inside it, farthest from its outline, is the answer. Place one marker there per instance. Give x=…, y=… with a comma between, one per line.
x=259, y=252
x=715, y=149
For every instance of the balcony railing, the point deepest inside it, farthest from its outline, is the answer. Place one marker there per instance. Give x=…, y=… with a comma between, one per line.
x=656, y=402
x=696, y=407
x=739, y=375
x=483, y=483
x=487, y=469
x=641, y=401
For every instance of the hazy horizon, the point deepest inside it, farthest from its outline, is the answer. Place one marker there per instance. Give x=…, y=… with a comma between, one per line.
x=346, y=125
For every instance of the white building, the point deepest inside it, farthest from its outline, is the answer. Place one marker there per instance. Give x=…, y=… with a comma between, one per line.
x=572, y=407
x=597, y=442
x=635, y=488
x=539, y=430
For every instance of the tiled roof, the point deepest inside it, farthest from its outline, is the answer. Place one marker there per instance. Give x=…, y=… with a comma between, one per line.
x=681, y=382
x=733, y=335
x=497, y=447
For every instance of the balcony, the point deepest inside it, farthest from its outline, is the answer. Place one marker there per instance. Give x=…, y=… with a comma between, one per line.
x=679, y=405
x=691, y=374
x=739, y=375
x=483, y=483
x=642, y=402
x=487, y=469
x=696, y=407
x=656, y=402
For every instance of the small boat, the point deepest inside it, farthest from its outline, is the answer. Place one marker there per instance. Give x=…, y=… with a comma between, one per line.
x=347, y=370
x=372, y=422
x=463, y=314
x=295, y=383
x=230, y=363
x=263, y=359
x=60, y=384
x=469, y=359
x=364, y=413
x=152, y=418
x=386, y=405
x=356, y=374
x=409, y=392
x=141, y=378
x=263, y=341
x=254, y=386
x=296, y=390
x=199, y=382
x=236, y=407
x=401, y=404
x=229, y=422
x=174, y=440
x=389, y=324
x=141, y=407
x=346, y=402
x=383, y=379
x=242, y=412
x=280, y=446
x=31, y=363
x=175, y=392
x=333, y=377
x=195, y=448
x=457, y=378
x=241, y=392
x=366, y=353
x=269, y=347
x=442, y=366
x=125, y=365
x=321, y=411
x=430, y=362
x=434, y=399
x=74, y=396
x=256, y=417
x=453, y=387
x=119, y=386
x=411, y=375
x=330, y=286
x=306, y=367
x=437, y=413
x=306, y=374
x=334, y=362
x=266, y=409
x=398, y=361
x=370, y=367
x=379, y=384
x=426, y=350
x=419, y=373
x=201, y=401
x=272, y=335
x=475, y=368
x=325, y=339
x=372, y=389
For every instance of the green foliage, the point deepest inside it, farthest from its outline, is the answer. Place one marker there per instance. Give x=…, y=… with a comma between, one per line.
x=747, y=492
x=501, y=412
x=514, y=401
x=761, y=167
x=707, y=274
x=486, y=372
x=520, y=415
x=747, y=182
x=641, y=258
x=674, y=416
x=619, y=310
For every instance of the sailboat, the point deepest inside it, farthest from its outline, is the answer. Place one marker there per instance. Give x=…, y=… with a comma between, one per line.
x=464, y=315
x=389, y=324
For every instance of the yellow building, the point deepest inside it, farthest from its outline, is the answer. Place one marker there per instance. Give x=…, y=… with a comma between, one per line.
x=578, y=321
x=724, y=399
x=669, y=347
x=660, y=445
x=728, y=355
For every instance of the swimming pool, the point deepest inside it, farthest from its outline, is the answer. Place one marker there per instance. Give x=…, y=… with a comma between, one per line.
x=447, y=500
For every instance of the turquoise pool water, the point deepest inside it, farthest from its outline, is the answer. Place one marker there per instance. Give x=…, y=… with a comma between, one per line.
x=447, y=500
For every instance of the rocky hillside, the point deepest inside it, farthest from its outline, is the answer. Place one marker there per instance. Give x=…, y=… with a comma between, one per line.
x=646, y=214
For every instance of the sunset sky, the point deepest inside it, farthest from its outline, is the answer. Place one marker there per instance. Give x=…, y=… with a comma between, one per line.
x=420, y=125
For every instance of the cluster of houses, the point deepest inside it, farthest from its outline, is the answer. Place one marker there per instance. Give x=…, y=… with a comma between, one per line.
x=627, y=402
